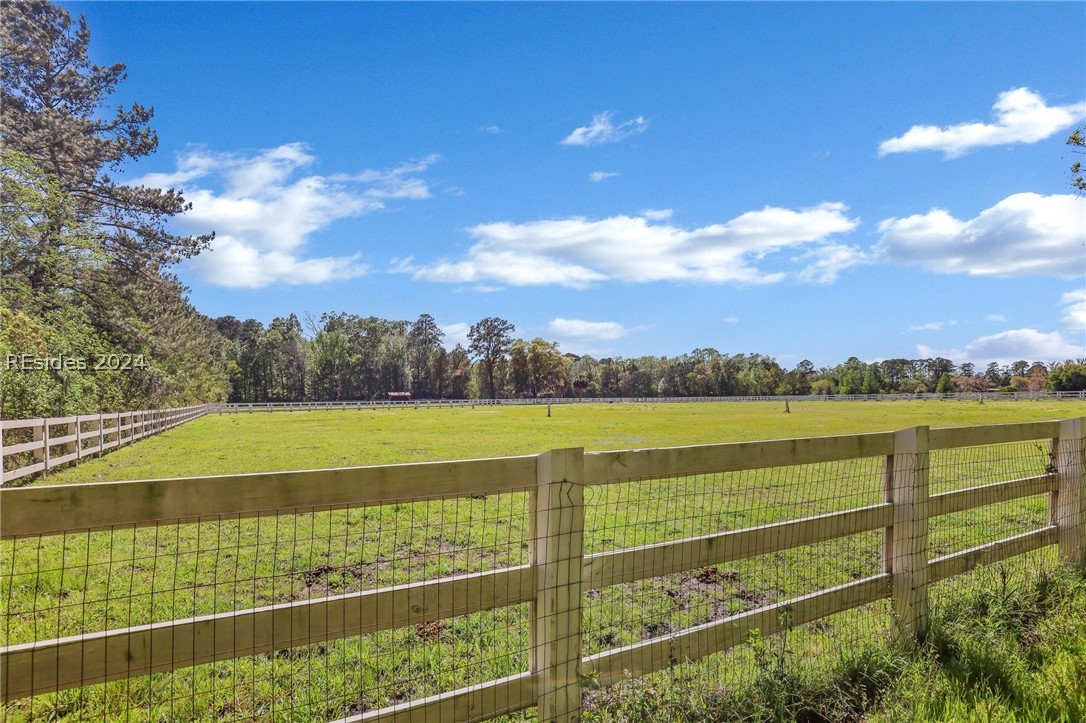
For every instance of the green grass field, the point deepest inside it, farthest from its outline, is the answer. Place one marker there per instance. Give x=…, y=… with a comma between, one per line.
x=264, y=442
x=89, y=581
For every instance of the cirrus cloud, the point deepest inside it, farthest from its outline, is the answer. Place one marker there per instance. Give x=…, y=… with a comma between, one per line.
x=603, y=130
x=577, y=252
x=1020, y=116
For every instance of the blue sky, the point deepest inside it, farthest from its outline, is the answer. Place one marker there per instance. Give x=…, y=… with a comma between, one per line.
x=800, y=180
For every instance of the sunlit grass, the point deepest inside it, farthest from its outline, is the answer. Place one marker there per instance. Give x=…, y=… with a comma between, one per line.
x=91, y=581
x=264, y=442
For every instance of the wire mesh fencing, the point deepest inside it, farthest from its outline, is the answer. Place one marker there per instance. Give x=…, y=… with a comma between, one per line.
x=277, y=564
x=763, y=572
x=468, y=591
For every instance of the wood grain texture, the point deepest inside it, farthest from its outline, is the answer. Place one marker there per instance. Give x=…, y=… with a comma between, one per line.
x=43, y=510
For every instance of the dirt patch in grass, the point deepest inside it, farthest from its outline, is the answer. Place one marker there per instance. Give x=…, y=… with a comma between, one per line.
x=332, y=580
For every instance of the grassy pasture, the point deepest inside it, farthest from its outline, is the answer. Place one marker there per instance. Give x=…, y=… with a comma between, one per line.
x=85, y=582
x=265, y=442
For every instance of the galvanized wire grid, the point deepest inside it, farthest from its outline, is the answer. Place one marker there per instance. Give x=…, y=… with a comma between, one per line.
x=658, y=510
x=88, y=581
x=957, y=469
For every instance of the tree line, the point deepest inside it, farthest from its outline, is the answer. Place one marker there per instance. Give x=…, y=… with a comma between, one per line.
x=345, y=357
x=86, y=276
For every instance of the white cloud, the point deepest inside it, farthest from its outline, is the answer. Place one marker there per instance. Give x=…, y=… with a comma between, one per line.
x=603, y=130
x=597, y=176
x=264, y=207
x=577, y=252
x=731, y=319
x=828, y=261
x=1074, y=312
x=456, y=333
x=657, y=214
x=578, y=330
x=492, y=129
x=996, y=317
x=1006, y=347
x=235, y=265
x=934, y=326
x=1024, y=234
x=1020, y=116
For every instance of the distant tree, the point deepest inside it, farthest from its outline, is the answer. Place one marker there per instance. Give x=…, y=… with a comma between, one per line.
x=459, y=373
x=490, y=340
x=1077, y=140
x=1067, y=377
x=439, y=372
x=852, y=379
x=424, y=341
x=994, y=373
x=944, y=385
x=939, y=366
x=54, y=109
x=871, y=383
x=894, y=371
x=1038, y=369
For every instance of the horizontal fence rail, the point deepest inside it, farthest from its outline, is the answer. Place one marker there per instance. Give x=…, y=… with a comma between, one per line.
x=561, y=571
x=361, y=404
x=58, y=441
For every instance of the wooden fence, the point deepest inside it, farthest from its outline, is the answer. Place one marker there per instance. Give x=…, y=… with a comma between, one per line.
x=361, y=404
x=64, y=440
x=559, y=572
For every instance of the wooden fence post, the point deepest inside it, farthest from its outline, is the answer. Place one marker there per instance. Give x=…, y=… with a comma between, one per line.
x=556, y=534
x=1070, y=454
x=41, y=434
x=906, y=554
x=76, y=446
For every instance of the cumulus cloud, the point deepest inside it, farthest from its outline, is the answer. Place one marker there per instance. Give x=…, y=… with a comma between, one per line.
x=597, y=176
x=264, y=206
x=1006, y=347
x=1074, y=310
x=579, y=330
x=1024, y=234
x=996, y=317
x=657, y=214
x=577, y=252
x=602, y=129
x=1019, y=116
